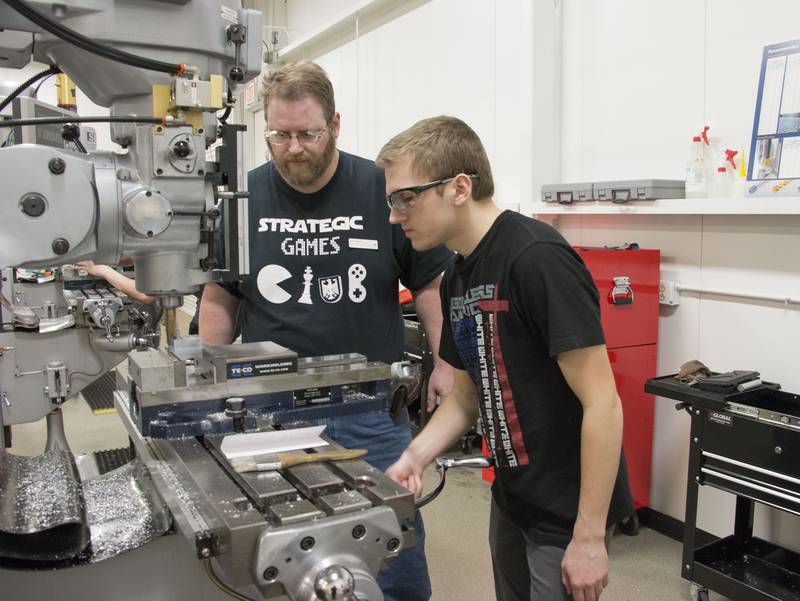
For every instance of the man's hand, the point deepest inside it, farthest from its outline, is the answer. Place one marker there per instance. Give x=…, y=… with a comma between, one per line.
x=584, y=569
x=407, y=472
x=439, y=384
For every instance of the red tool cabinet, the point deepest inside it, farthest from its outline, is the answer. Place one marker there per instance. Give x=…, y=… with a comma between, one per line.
x=629, y=312
x=628, y=284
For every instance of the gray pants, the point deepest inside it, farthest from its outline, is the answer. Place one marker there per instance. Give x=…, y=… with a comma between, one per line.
x=523, y=569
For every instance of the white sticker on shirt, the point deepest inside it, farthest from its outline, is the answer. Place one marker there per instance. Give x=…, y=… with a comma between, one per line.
x=355, y=275
x=308, y=276
x=330, y=288
x=268, y=282
x=363, y=243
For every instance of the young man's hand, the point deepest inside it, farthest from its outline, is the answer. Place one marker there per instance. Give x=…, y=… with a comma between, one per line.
x=407, y=472
x=584, y=569
x=440, y=383
x=91, y=268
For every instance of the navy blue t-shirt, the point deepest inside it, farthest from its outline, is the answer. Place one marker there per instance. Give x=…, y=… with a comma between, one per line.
x=325, y=266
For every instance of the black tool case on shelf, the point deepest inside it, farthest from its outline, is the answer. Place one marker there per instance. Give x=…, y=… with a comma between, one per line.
x=748, y=444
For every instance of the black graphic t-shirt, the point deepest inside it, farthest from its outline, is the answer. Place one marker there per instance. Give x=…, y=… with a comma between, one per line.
x=324, y=267
x=522, y=297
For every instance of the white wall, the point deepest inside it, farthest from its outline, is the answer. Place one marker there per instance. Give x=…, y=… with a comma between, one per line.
x=468, y=58
x=306, y=16
x=640, y=78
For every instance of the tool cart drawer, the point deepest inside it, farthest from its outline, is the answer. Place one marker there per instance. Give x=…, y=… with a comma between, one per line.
x=752, y=458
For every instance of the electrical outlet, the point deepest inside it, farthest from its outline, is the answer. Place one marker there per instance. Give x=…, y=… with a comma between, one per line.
x=669, y=293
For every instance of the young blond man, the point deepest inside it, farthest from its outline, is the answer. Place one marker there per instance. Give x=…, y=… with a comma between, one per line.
x=522, y=328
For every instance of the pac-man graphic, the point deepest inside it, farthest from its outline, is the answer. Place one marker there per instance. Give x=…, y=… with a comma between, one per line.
x=268, y=281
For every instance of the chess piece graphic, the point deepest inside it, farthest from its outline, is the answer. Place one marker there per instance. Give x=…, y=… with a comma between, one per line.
x=305, y=298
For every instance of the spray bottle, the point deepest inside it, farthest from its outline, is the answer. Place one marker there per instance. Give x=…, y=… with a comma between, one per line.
x=696, y=181
x=723, y=182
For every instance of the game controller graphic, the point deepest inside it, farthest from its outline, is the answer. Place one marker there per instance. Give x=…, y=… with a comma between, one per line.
x=355, y=275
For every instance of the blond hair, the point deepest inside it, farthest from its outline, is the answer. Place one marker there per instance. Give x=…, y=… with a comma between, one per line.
x=298, y=80
x=441, y=147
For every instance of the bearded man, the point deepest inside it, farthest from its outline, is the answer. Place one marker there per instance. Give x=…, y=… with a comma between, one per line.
x=325, y=265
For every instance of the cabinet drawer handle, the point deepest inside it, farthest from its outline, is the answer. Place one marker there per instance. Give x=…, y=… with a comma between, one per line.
x=754, y=468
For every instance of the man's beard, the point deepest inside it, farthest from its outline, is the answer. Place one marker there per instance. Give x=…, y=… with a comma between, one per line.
x=301, y=175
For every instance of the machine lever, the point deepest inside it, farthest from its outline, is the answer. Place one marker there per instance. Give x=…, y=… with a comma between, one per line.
x=445, y=463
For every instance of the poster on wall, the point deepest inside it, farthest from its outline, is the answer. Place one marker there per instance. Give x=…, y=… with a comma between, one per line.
x=774, y=164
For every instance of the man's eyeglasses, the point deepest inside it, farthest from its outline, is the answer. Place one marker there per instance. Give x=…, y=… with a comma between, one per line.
x=282, y=138
x=404, y=199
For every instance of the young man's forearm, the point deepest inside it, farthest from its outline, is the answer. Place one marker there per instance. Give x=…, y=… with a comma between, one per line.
x=601, y=440
x=122, y=283
x=429, y=310
x=589, y=374
x=218, y=312
x=455, y=416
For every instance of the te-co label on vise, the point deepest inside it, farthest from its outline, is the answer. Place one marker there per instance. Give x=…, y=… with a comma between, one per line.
x=250, y=369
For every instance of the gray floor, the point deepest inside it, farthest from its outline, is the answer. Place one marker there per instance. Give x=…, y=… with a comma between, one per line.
x=643, y=568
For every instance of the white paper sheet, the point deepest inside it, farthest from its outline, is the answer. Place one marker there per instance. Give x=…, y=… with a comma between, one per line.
x=276, y=441
x=771, y=96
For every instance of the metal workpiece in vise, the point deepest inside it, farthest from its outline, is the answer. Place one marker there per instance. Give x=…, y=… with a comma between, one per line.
x=185, y=390
x=445, y=463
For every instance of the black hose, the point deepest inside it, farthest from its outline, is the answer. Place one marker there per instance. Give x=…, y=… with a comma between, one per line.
x=227, y=113
x=40, y=84
x=81, y=41
x=58, y=120
x=46, y=73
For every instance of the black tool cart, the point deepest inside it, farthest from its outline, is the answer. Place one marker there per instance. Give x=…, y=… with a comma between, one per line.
x=747, y=444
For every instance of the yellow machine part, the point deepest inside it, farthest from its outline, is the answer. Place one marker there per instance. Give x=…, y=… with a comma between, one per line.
x=67, y=98
x=163, y=104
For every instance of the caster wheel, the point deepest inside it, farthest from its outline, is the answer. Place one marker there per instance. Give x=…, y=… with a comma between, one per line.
x=466, y=446
x=629, y=526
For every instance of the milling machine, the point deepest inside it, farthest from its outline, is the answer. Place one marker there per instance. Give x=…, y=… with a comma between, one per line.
x=178, y=522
